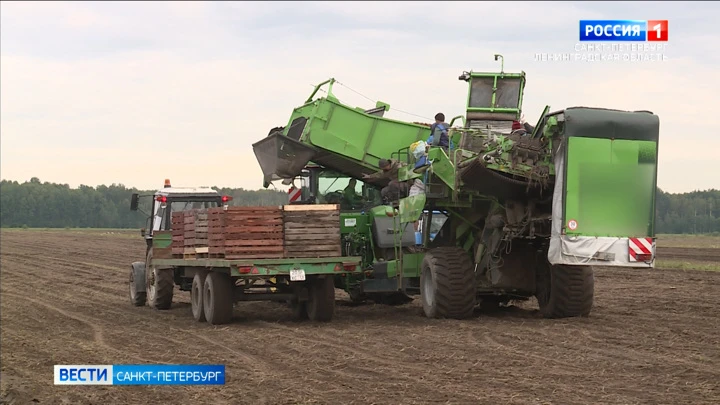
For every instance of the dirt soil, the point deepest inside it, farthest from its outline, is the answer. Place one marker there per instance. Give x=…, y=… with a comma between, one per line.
x=653, y=338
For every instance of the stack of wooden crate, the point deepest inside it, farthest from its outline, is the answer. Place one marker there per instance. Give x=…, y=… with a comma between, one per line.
x=292, y=231
x=195, y=235
x=178, y=233
x=216, y=237
x=253, y=233
x=312, y=231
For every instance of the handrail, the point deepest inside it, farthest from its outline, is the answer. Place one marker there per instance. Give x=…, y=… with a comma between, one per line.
x=317, y=88
x=455, y=118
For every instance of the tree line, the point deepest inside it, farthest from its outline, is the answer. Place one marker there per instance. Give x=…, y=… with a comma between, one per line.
x=35, y=204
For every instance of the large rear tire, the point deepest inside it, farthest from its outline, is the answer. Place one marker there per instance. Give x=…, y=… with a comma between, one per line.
x=321, y=299
x=159, y=284
x=565, y=291
x=447, y=284
x=218, y=298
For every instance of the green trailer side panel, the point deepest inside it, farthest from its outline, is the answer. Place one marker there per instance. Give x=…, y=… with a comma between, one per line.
x=610, y=187
x=268, y=267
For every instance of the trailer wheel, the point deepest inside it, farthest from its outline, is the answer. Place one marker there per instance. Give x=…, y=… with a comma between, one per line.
x=159, y=284
x=565, y=291
x=321, y=299
x=447, y=284
x=299, y=309
x=138, y=296
x=196, y=296
x=218, y=298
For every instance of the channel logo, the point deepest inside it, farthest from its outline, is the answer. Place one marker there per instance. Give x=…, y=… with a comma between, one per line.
x=140, y=374
x=624, y=30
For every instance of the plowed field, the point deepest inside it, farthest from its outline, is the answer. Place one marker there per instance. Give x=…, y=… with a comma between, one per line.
x=653, y=338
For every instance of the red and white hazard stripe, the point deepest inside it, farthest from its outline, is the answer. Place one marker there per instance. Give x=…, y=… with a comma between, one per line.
x=641, y=249
x=294, y=194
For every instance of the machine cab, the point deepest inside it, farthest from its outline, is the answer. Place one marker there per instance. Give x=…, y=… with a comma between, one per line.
x=494, y=99
x=174, y=199
x=323, y=186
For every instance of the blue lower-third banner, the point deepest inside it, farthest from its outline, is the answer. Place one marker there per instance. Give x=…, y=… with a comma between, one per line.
x=140, y=374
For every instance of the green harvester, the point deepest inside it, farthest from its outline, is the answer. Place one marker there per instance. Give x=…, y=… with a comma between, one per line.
x=503, y=216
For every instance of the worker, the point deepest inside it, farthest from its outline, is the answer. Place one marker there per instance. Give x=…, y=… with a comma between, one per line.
x=439, y=132
x=352, y=199
x=395, y=189
x=529, y=128
x=518, y=129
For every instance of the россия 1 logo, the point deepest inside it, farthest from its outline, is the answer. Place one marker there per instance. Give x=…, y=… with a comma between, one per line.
x=624, y=30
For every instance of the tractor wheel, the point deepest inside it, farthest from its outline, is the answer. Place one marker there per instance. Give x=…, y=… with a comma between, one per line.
x=159, y=284
x=565, y=291
x=321, y=299
x=196, y=296
x=447, y=284
x=138, y=296
x=218, y=298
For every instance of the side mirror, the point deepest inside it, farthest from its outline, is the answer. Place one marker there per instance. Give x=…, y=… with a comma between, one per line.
x=142, y=232
x=134, y=202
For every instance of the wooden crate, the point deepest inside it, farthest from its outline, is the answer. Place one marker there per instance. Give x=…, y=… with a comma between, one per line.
x=177, y=223
x=253, y=233
x=216, y=238
x=195, y=229
x=312, y=231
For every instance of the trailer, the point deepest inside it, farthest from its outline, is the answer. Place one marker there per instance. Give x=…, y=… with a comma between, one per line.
x=223, y=255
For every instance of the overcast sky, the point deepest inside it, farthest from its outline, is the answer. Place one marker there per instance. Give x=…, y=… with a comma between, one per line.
x=133, y=93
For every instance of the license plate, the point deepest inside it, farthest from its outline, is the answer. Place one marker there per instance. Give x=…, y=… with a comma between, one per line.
x=297, y=275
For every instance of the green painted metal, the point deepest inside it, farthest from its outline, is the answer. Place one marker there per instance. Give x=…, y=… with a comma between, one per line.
x=392, y=267
x=351, y=135
x=411, y=208
x=495, y=92
x=353, y=222
x=267, y=267
x=411, y=264
x=409, y=172
x=442, y=167
x=382, y=210
x=162, y=240
x=610, y=187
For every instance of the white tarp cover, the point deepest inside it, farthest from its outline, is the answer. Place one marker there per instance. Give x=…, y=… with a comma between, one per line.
x=582, y=250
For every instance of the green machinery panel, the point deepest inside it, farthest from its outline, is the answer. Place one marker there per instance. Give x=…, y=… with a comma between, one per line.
x=610, y=187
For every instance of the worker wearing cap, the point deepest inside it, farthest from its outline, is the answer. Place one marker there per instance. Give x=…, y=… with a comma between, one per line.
x=389, y=170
